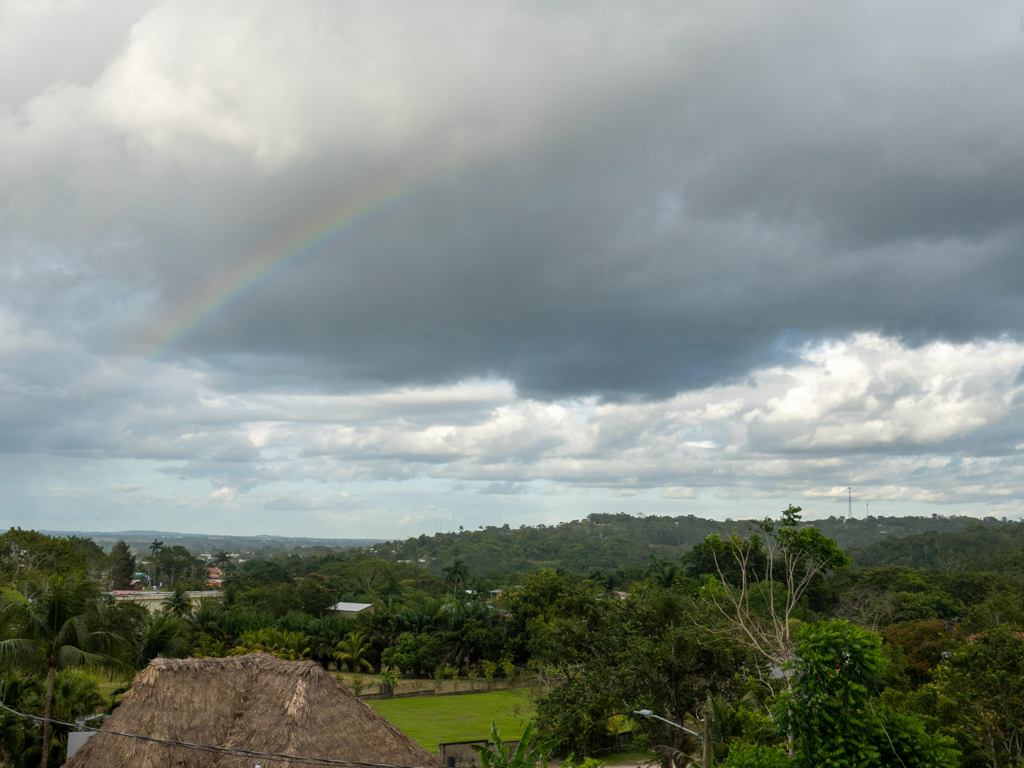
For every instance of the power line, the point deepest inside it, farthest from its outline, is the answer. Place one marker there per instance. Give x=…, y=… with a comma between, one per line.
x=206, y=747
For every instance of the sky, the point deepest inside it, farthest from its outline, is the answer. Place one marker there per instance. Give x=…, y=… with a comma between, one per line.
x=377, y=269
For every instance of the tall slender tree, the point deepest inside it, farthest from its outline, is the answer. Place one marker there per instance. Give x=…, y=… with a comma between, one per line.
x=156, y=548
x=122, y=566
x=456, y=573
x=49, y=624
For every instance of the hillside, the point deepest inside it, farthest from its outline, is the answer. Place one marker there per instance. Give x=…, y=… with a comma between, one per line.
x=980, y=546
x=612, y=541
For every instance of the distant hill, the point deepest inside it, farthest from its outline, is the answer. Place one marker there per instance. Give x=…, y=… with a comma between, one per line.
x=197, y=543
x=612, y=541
x=979, y=546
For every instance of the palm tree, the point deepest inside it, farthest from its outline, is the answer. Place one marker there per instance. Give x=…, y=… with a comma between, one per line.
x=456, y=573
x=221, y=560
x=75, y=698
x=663, y=572
x=162, y=635
x=155, y=549
x=50, y=623
x=177, y=603
x=352, y=652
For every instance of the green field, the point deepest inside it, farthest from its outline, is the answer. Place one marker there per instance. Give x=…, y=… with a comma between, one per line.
x=107, y=686
x=432, y=719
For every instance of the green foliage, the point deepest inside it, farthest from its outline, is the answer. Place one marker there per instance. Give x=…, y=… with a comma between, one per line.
x=387, y=680
x=526, y=755
x=283, y=644
x=922, y=645
x=312, y=596
x=177, y=603
x=757, y=756
x=980, y=691
x=456, y=573
x=990, y=545
x=615, y=656
x=833, y=716
x=122, y=566
x=762, y=578
x=161, y=635
x=621, y=544
x=49, y=628
x=415, y=653
x=828, y=709
x=25, y=552
x=352, y=652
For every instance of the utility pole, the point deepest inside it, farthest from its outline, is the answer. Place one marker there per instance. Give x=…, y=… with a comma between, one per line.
x=849, y=491
x=867, y=510
x=706, y=753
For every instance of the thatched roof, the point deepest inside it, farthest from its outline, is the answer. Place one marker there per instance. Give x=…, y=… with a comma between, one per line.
x=254, y=702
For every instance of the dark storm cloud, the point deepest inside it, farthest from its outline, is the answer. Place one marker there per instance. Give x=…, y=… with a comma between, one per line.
x=709, y=248
x=831, y=177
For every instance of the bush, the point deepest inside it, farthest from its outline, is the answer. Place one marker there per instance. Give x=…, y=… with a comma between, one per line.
x=755, y=756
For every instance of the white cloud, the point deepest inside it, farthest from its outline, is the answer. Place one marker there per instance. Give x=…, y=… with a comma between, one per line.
x=679, y=492
x=897, y=422
x=604, y=223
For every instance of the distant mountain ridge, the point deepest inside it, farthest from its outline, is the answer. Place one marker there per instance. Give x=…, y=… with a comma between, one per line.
x=202, y=542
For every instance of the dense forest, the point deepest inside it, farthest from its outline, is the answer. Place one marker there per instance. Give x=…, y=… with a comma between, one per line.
x=803, y=649
x=624, y=541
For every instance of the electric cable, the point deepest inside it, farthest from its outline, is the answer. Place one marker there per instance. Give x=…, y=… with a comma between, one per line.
x=206, y=747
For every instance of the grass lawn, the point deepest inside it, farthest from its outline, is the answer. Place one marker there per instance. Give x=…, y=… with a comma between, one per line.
x=628, y=758
x=432, y=719
x=107, y=687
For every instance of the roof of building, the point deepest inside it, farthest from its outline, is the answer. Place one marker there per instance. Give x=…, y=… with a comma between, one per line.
x=351, y=607
x=255, y=702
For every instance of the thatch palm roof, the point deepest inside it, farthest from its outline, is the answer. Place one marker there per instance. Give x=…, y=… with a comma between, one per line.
x=255, y=702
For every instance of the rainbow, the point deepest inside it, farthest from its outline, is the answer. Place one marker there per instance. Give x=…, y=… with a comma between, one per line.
x=251, y=274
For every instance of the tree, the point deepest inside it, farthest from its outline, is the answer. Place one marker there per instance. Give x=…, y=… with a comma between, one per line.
x=762, y=578
x=221, y=559
x=352, y=652
x=75, y=697
x=456, y=573
x=177, y=603
x=834, y=718
x=293, y=646
x=162, y=635
x=51, y=624
x=981, y=687
x=501, y=756
x=155, y=548
x=663, y=572
x=387, y=680
x=611, y=656
x=22, y=552
x=122, y=566
x=415, y=653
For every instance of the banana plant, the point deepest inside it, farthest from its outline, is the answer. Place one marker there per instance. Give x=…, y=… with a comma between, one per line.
x=501, y=755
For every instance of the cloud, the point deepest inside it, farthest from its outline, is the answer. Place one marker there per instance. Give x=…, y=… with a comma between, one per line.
x=678, y=492
x=519, y=247
x=505, y=489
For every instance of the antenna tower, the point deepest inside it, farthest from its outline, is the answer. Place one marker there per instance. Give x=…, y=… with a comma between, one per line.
x=849, y=491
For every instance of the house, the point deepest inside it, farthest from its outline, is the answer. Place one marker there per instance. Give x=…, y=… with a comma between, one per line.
x=255, y=702
x=352, y=609
x=495, y=593
x=214, y=575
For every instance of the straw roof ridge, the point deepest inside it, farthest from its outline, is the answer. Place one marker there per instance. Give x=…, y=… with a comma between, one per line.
x=256, y=702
